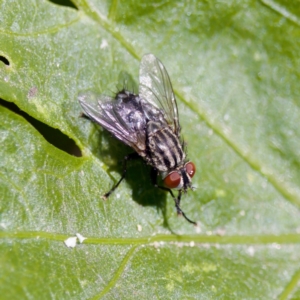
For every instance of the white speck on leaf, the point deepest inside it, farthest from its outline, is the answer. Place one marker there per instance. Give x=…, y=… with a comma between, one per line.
x=198, y=229
x=276, y=246
x=104, y=44
x=71, y=242
x=156, y=244
x=251, y=251
x=80, y=238
x=3, y=225
x=221, y=231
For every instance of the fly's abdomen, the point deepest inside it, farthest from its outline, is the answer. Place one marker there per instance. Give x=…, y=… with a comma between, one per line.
x=164, y=147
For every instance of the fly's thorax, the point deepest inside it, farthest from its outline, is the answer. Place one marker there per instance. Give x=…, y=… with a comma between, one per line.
x=128, y=110
x=164, y=147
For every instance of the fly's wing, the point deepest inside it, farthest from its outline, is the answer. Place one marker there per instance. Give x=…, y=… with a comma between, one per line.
x=156, y=89
x=102, y=110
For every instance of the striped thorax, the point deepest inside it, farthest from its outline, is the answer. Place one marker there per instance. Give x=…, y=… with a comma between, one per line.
x=164, y=147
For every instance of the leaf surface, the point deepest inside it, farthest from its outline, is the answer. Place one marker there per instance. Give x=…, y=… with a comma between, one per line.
x=235, y=71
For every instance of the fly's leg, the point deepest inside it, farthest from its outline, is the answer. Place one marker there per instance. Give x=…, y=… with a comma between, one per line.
x=126, y=159
x=179, y=210
x=154, y=175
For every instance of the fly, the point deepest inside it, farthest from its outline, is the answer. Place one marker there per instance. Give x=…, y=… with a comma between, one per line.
x=147, y=122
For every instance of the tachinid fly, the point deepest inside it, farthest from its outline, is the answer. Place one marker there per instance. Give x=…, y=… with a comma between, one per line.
x=149, y=124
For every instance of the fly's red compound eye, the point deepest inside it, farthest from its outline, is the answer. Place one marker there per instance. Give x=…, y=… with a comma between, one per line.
x=173, y=180
x=190, y=169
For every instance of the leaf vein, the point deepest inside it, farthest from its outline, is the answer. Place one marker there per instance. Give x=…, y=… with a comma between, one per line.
x=287, y=292
x=117, y=274
x=292, y=238
x=281, y=10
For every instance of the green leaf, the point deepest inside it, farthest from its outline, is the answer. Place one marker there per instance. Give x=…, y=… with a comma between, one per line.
x=234, y=66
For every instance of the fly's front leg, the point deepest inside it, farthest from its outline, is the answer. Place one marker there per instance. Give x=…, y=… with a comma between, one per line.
x=154, y=174
x=126, y=159
x=179, y=210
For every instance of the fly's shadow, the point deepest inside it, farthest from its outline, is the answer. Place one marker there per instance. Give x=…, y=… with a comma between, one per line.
x=138, y=174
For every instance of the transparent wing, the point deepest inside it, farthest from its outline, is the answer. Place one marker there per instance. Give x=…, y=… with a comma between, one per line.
x=156, y=88
x=101, y=109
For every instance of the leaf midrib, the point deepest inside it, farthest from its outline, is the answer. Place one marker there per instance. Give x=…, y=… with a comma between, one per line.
x=167, y=238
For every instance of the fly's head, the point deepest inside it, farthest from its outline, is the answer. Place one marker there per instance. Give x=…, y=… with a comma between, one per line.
x=181, y=178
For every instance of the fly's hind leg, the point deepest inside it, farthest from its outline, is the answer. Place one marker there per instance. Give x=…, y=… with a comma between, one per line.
x=154, y=174
x=126, y=159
